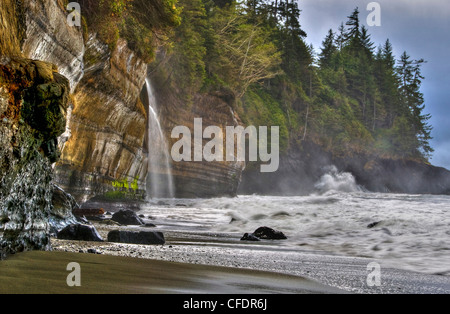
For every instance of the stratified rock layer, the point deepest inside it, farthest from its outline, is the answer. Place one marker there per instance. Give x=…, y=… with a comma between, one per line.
x=104, y=155
x=195, y=179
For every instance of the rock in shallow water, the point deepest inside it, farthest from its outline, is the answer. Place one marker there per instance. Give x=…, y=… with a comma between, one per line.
x=373, y=225
x=250, y=237
x=264, y=233
x=80, y=233
x=127, y=218
x=269, y=234
x=131, y=237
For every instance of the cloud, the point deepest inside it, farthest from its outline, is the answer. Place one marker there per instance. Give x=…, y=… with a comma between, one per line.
x=419, y=9
x=441, y=158
x=420, y=27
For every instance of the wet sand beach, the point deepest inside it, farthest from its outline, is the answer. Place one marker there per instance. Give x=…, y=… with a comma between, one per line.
x=45, y=273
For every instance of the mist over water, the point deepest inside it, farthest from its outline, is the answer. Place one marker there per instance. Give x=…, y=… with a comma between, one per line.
x=409, y=232
x=160, y=181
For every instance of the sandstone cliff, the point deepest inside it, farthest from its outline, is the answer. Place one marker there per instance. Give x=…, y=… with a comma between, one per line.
x=104, y=136
x=198, y=179
x=107, y=126
x=104, y=147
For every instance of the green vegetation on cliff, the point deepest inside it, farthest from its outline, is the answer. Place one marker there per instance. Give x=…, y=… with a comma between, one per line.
x=351, y=98
x=143, y=23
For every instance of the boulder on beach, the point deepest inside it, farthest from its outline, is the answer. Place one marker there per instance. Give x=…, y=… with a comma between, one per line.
x=250, y=237
x=264, y=233
x=78, y=232
x=133, y=237
x=269, y=234
x=127, y=218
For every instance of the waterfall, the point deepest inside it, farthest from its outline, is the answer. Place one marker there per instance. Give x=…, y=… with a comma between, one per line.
x=160, y=181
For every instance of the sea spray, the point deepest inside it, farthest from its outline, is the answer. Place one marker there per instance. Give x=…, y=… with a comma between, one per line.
x=333, y=180
x=412, y=231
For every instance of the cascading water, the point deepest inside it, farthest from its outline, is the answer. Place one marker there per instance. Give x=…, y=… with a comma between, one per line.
x=160, y=181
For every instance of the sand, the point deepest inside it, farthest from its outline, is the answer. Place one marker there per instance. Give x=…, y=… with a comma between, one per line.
x=202, y=262
x=45, y=273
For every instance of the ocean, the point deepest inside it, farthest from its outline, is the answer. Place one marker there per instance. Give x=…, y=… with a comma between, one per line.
x=408, y=232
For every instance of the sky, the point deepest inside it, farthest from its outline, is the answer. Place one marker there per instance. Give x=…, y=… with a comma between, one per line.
x=419, y=27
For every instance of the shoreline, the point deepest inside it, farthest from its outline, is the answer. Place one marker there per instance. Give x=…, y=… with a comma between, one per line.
x=204, y=262
x=45, y=273
x=206, y=249
x=201, y=264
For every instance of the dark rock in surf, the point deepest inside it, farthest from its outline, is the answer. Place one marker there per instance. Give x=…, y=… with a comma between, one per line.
x=79, y=232
x=267, y=233
x=264, y=233
x=132, y=237
x=373, y=225
x=127, y=218
x=250, y=237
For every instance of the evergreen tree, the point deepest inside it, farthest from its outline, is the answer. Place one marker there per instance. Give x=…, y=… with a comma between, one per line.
x=328, y=50
x=366, y=42
x=341, y=37
x=188, y=59
x=353, y=34
x=413, y=100
x=352, y=98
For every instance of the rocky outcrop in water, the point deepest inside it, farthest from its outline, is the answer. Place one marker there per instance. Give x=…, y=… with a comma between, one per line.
x=264, y=233
x=303, y=166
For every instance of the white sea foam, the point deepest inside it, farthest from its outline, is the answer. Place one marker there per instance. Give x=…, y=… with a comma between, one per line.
x=333, y=180
x=412, y=231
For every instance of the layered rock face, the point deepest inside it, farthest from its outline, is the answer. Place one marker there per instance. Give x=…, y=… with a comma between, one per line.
x=104, y=148
x=51, y=39
x=103, y=141
x=199, y=179
x=104, y=155
x=34, y=108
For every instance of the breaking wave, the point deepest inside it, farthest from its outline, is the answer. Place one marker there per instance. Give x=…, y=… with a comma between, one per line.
x=337, y=181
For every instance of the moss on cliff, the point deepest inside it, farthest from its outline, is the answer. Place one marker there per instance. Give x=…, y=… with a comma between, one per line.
x=34, y=99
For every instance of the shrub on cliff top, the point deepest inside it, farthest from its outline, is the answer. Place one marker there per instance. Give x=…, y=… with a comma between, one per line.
x=143, y=23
